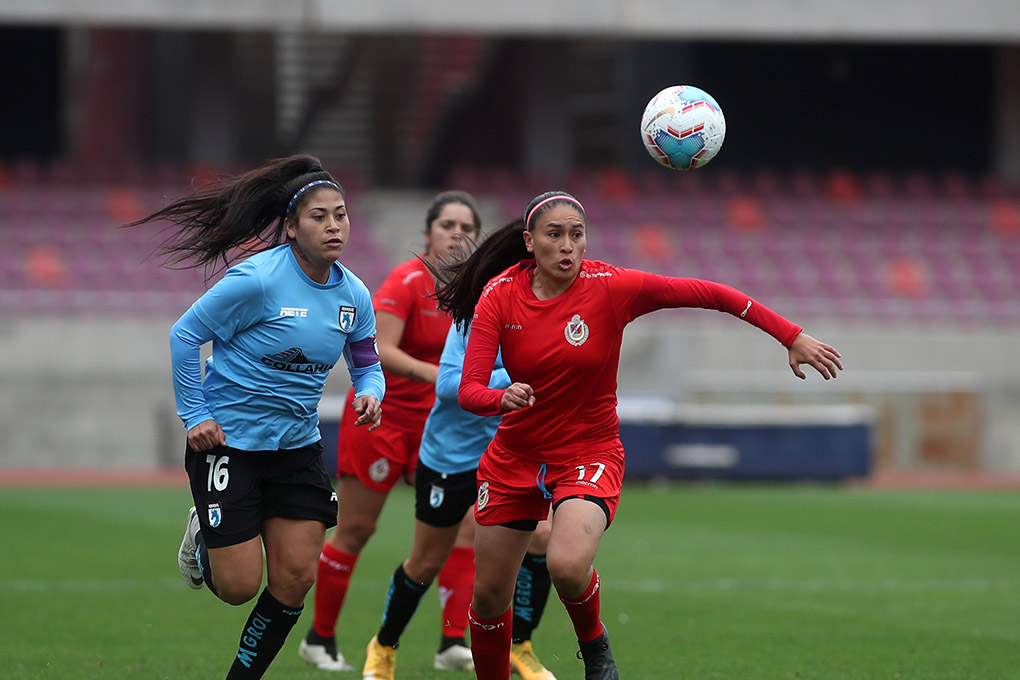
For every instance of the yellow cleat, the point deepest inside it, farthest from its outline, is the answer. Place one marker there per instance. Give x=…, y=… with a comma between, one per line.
x=381, y=662
x=524, y=662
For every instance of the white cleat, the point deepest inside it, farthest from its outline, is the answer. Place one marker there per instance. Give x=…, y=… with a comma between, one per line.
x=455, y=658
x=187, y=557
x=322, y=653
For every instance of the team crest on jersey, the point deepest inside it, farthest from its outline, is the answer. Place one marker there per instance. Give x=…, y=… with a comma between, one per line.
x=436, y=496
x=215, y=516
x=379, y=470
x=576, y=331
x=483, y=495
x=347, y=315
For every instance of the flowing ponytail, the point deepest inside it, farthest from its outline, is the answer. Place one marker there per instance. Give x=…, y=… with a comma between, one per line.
x=233, y=217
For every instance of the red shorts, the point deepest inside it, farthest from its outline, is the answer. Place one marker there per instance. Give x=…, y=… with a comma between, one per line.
x=383, y=456
x=511, y=488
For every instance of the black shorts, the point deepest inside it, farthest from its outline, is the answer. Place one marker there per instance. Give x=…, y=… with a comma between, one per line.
x=442, y=500
x=235, y=491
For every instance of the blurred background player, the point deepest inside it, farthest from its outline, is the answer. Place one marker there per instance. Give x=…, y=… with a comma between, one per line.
x=254, y=456
x=411, y=333
x=445, y=485
x=558, y=320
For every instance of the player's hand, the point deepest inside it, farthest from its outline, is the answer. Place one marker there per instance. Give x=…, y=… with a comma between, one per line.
x=206, y=435
x=369, y=411
x=807, y=350
x=516, y=397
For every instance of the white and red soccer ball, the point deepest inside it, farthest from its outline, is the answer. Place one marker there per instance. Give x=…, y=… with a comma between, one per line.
x=683, y=127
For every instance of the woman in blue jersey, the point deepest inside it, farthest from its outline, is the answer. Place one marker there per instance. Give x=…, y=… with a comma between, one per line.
x=278, y=322
x=452, y=443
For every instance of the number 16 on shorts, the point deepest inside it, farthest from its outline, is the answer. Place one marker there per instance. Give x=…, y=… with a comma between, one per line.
x=219, y=476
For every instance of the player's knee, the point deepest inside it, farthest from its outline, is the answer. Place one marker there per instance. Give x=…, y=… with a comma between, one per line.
x=237, y=592
x=568, y=572
x=490, y=601
x=351, y=536
x=423, y=569
x=291, y=584
x=300, y=583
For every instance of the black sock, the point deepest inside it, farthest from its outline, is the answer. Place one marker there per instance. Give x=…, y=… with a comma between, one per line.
x=446, y=642
x=530, y=596
x=203, y=563
x=402, y=600
x=263, y=636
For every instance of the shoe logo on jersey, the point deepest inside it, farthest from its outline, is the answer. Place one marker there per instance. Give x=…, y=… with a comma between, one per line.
x=215, y=516
x=746, y=309
x=483, y=495
x=347, y=315
x=436, y=496
x=294, y=360
x=576, y=331
x=293, y=311
x=333, y=498
x=379, y=470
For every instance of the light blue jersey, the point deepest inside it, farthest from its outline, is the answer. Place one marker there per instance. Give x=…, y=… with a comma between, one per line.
x=454, y=440
x=276, y=334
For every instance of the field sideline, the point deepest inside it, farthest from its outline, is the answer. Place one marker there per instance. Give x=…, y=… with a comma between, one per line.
x=700, y=581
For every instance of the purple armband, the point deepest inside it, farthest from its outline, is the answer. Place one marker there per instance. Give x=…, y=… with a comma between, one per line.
x=364, y=353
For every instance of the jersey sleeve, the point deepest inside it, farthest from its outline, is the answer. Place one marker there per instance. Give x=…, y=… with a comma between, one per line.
x=451, y=367
x=451, y=364
x=187, y=336
x=234, y=303
x=394, y=296
x=661, y=292
x=474, y=394
x=362, y=354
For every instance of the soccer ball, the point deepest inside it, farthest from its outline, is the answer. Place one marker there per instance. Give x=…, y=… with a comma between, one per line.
x=683, y=127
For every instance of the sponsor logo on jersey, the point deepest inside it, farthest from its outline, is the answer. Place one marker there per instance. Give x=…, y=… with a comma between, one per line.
x=576, y=331
x=513, y=327
x=294, y=360
x=493, y=284
x=347, y=316
x=293, y=311
x=483, y=495
x=411, y=276
x=436, y=496
x=595, y=275
x=379, y=470
x=215, y=515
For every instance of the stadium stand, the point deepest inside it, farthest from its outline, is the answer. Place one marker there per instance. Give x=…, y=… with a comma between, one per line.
x=870, y=247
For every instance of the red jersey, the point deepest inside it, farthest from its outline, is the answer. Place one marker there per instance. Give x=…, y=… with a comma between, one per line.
x=406, y=293
x=568, y=349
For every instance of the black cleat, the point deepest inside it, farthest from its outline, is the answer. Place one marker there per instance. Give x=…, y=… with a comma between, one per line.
x=597, y=655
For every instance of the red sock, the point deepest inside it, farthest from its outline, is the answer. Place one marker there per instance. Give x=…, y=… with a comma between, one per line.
x=456, y=582
x=584, y=611
x=331, y=582
x=490, y=645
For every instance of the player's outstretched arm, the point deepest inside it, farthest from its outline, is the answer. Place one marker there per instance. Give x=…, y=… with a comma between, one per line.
x=807, y=350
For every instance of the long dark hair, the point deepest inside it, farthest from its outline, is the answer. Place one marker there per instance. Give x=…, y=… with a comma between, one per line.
x=233, y=217
x=460, y=284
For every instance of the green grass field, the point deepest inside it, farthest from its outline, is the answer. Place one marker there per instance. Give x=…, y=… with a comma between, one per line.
x=708, y=582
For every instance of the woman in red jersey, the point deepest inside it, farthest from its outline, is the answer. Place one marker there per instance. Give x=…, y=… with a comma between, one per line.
x=411, y=332
x=558, y=320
